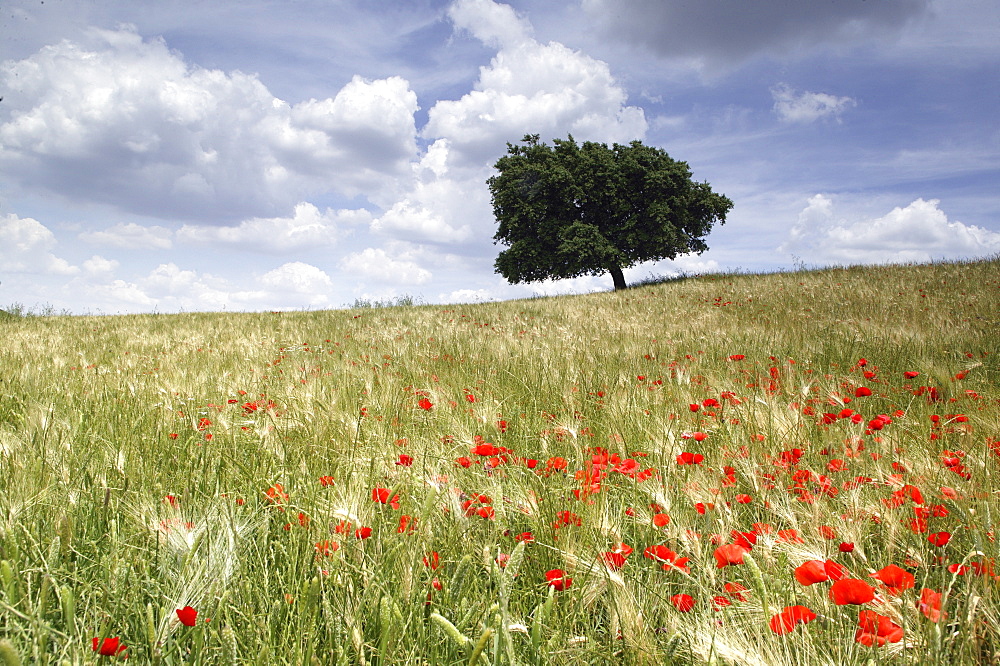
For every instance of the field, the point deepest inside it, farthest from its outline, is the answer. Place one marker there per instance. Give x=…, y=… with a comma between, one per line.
x=796, y=468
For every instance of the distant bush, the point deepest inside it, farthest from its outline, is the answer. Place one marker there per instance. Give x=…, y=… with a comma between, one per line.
x=399, y=301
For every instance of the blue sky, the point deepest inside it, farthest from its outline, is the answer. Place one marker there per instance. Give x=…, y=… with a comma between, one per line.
x=261, y=155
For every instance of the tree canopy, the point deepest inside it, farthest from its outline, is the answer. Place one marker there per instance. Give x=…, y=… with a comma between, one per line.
x=568, y=210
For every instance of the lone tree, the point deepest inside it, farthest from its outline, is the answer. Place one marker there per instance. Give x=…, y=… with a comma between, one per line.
x=568, y=210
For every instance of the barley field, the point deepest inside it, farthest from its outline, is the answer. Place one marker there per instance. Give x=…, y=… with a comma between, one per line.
x=793, y=468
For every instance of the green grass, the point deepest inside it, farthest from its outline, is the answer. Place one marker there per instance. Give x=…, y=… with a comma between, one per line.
x=136, y=474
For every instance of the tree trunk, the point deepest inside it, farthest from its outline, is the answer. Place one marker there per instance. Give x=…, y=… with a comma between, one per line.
x=618, y=277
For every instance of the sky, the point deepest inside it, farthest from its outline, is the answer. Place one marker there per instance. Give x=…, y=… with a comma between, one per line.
x=206, y=155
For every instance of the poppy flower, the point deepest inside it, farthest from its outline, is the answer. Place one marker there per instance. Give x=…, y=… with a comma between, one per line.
x=385, y=496
x=404, y=460
x=930, y=604
x=188, y=616
x=362, y=532
x=730, y=554
x=939, y=539
x=851, y=591
x=683, y=602
x=661, y=520
x=326, y=481
x=737, y=591
x=811, y=572
x=324, y=548
x=785, y=621
x=688, y=458
x=108, y=647
x=894, y=578
x=876, y=629
x=910, y=374
x=846, y=547
x=719, y=602
x=432, y=560
x=425, y=404
x=557, y=579
x=614, y=561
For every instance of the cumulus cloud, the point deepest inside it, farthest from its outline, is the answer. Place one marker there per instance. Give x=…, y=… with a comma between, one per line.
x=918, y=232
x=26, y=244
x=377, y=264
x=130, y=236
x=98, y=266
x=491, y=23
x=530, y=87
x=308, y=227
x=807, y=107
x=729, y=31
x=170, y=288
x=125, y=121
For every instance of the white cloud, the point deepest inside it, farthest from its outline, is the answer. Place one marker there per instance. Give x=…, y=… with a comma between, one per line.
x=377, y=264
x=126, y=121
x=298, y=278
x=130, y=236
x=170, y=288
x=491, y=23
x=467, y=296
x=26, y=244
x=807, y=107
x=919, y=232
x=308, y=227
x=98, y=266
x=530, y=87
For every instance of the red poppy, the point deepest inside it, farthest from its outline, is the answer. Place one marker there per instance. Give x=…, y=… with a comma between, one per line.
x=940, y=539
x=876, y=629
x=526, y=537
x=557, y=579
x=894, y=578
x=851, y=591
x=862, y=392
x=187, y=615
x=737, y=591
x=486, y=449
x=930, y=604
x=785, y=621
x=326, y=481
x=661, y=520
x=385, y=496
x=730, y=554
x=432, y=560
x=910, y=374
x=683, y=602
x=325, y=548
x=614, y=561
x=688, y=458
x=108, y=647
x=407, y=523
x=846, y=547
x=362, y=532
x=811, y=572
x=404, y=460
x=276, y=494
x=425, y=404
x=827, y=532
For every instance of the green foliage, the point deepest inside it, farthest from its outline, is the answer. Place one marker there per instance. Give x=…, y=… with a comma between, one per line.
x=569, y=210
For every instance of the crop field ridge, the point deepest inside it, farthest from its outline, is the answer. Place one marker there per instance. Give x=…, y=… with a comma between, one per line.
x=781, y=469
